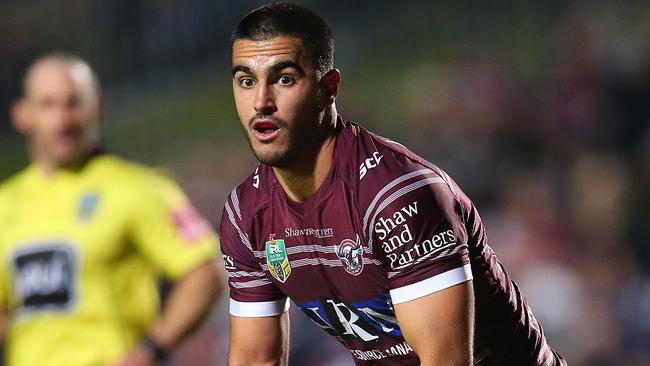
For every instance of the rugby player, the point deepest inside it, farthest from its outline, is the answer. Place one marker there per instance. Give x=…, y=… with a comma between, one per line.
x=85, y=235
x=380, y=248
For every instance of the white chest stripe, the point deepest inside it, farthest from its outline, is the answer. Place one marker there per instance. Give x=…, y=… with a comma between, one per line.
x=235, y=202
x=249, y=284
x=324, y=262
x=242, y=236
x=237, y=274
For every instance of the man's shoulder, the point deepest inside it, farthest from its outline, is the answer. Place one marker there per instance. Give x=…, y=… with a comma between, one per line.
x=248, y=198
x=115, y=165
x=13, y=180
x=386, y=167
x=135, y=184
x=10, y=187
x=129, y=175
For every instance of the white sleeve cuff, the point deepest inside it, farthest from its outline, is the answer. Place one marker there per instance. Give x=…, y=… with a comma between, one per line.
x=432, y=284
x=258, y=309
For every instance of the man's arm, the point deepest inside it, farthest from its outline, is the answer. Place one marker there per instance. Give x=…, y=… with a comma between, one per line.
x=190, y=300
x=259, y=341
x=439, y=326
x=188, y=303
x=4, y=325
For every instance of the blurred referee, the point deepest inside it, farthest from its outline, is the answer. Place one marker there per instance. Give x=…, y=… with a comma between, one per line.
x=85, y=236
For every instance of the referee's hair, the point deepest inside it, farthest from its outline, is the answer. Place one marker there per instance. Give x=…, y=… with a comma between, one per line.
x=75, y=63
x=284, y=19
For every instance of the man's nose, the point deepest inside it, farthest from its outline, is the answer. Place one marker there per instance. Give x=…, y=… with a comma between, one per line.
x=64, y=115
x=265, y=100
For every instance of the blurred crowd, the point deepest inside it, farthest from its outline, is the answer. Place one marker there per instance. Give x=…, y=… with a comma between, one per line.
x=559, y=167
x=541, y=113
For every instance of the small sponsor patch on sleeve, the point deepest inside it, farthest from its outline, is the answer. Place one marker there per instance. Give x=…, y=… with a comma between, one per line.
x=191, y=226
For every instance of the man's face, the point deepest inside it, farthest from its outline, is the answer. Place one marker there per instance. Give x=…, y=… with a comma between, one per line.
x=60, y=112
x=276, y=90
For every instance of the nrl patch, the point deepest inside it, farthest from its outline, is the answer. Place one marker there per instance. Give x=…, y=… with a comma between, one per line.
x=351, y=255
x=277, y=259
x=87, y=206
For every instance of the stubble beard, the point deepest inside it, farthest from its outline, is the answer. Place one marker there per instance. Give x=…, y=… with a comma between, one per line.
x=87, y=141
x=303, y=140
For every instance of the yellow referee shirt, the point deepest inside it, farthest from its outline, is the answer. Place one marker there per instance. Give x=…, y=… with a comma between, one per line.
x=81, y=254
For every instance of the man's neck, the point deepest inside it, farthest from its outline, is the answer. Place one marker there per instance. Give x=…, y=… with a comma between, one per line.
x=303, y=178
x=49, y=166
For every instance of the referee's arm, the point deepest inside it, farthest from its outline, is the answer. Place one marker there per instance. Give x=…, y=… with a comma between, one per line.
x=189, y=302
x=4, y=325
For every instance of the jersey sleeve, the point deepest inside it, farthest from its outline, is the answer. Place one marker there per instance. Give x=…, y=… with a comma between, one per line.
x=418, y=228
x=168, y=230
x=252, y=294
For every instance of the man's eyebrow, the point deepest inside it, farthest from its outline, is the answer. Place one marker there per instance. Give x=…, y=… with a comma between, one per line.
x=285, y=65
x=242, y=68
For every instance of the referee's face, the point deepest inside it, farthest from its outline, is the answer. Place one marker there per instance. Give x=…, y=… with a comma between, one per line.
x=59, y=113
x=276, y=90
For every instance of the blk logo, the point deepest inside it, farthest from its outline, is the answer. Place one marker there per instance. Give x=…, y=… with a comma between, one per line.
x=365, y=322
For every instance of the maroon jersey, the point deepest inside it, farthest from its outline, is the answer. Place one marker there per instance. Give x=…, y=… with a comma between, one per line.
x=384, y=228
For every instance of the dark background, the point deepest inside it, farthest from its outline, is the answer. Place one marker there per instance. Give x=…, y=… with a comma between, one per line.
x=539, y=110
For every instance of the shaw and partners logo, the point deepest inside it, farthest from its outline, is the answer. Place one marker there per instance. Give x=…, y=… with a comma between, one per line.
x=398, y=242
x=277, y=259
x=309, y=231
x=350, y=253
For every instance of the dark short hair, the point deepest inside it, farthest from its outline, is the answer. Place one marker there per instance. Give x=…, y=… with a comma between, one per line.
x=283, y=19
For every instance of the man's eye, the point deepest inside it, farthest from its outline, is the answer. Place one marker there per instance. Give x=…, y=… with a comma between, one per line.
x=286, y=80
x=246, y=83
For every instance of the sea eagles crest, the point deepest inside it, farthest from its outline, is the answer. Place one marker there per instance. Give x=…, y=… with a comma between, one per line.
x=277, y=259
x=351, y=254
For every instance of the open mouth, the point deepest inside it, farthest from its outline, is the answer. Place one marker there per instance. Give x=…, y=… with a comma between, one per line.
x=265, y=129
x=68, y=136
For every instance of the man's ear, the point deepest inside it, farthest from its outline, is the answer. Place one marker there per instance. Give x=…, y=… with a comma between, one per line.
x=330, y=83
x=19, y=117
